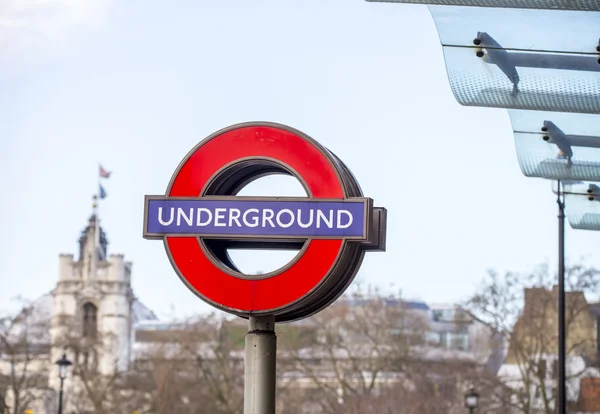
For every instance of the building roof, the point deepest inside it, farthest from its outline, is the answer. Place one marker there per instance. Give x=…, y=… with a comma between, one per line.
x=595, y=308
x=141, y=313
x=410, y=304
x=31, y=324
x=416, y=305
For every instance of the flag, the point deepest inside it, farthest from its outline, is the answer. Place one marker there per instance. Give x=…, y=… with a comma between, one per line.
x=104, y=173
x=102, y=193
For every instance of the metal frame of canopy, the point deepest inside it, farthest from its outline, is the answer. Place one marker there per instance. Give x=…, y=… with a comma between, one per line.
x=582, y=5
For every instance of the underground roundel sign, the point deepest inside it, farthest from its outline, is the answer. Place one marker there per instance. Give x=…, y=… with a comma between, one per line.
x=201, y=217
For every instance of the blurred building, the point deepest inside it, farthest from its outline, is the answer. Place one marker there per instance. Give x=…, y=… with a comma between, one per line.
x=531, y=362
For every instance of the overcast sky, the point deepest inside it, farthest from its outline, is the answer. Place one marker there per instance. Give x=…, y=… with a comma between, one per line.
x=135, y=85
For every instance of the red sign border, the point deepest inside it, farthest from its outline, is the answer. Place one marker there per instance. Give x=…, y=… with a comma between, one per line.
x=291, y=284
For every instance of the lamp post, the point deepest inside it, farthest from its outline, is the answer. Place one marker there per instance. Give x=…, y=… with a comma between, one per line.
x=562, y=354
x=63, y=364
x=471, y=400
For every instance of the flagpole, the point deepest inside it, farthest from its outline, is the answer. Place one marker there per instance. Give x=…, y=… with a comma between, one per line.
x=97, y=212
x=101, y=194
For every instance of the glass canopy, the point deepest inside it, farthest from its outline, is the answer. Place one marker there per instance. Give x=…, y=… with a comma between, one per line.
x=560, y=82
x=507, y=58
x=525, y=30
x=559, y=146
x=586, y=5
x=532, y=121
x=576, y=187
x=583, y=212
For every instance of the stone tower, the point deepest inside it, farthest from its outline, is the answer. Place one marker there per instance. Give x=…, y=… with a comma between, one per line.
x=92, y=306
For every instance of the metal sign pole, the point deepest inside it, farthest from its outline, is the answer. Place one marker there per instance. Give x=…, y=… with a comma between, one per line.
x=259, y=366
x=562, y=389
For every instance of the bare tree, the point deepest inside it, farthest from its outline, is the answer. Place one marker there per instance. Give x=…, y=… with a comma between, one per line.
x=198, y=369
x=160, y=383
x=23, y=345
x=216, y=345
x=430, y=387
x=420, y=396
x=523, y=307
x=349, y=350
x=95, y=387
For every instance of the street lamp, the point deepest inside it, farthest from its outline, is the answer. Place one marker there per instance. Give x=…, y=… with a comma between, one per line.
x=63, y=364
x=471, y=400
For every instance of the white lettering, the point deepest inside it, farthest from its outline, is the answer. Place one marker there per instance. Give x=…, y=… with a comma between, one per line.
x=321, y=216
x=188, y=219
x=219, y=215
x=234, y=215
x=268, y=216
x=254, y=222
x=285, y=211
x=310, y=218
x=305, y=218
x=339, y=219
x=199, y=212
x=160, y=219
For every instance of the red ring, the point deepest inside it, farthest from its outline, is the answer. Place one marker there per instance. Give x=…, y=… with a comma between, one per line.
x=224, y=290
